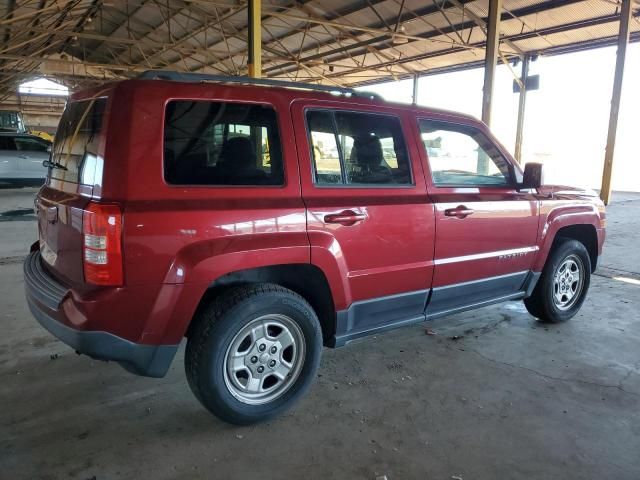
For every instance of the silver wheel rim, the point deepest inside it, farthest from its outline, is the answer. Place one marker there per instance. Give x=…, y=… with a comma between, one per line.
x=568, y=281
x=264, y=359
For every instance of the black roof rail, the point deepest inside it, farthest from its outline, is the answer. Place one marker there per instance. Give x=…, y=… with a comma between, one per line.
x=204, y=77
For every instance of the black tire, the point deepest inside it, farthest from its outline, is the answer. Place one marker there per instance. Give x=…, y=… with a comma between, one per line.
x=217, y=327
x=541, y=303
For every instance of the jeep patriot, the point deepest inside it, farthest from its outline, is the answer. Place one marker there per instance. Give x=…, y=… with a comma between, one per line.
x=261, y=220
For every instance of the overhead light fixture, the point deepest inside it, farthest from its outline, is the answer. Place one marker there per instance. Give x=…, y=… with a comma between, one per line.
x=399, y=39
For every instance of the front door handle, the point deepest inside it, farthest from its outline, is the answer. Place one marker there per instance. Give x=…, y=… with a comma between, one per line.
x=347, y=218
x=459, y=212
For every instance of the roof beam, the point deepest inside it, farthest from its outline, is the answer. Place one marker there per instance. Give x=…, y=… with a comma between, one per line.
x=18, y=18
x=530, y=10
x=483, y=25
x=96, y=50
x=87, y=16
x=180, y=41
x=239, y=34
x=279, y=39
x=11, y=4
x=37, y=60
x=107, y=39
x=376, y=28
x=515, y=37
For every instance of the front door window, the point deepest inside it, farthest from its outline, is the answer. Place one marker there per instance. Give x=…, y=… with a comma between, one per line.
x=462, y=156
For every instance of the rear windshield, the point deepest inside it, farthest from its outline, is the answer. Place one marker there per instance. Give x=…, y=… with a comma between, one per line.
x=221, y=143
x=76, y=157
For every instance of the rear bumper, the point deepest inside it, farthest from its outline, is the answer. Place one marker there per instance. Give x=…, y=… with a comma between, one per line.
x=45, y=297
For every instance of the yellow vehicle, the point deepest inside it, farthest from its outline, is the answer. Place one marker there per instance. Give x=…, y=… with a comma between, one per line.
x=42, y=134
x=12, y=121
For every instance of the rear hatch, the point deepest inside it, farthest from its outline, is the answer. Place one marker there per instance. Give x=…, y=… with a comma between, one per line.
x=75, y=170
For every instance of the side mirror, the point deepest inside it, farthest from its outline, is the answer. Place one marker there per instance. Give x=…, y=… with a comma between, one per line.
x=533, y=175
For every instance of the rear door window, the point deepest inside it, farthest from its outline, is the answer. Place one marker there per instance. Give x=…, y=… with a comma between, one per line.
x=221, y=143
x=75, y=150
x=356, y=148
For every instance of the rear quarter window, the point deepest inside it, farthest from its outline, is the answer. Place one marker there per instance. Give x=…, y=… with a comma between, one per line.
x=221, y=143
x=76, y=147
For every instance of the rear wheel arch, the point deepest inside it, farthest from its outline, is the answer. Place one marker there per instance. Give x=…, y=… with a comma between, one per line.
x=307, y=280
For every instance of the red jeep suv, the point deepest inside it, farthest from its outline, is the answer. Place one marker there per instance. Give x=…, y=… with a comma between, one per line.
x=262, y=220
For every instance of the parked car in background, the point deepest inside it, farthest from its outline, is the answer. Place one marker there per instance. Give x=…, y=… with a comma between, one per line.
x=262, y=222
x=21, y=159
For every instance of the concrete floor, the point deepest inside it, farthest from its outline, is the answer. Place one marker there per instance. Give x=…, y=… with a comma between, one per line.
x=511, y=399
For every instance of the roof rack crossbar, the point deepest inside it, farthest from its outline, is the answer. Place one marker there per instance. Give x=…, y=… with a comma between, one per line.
x=203, y=77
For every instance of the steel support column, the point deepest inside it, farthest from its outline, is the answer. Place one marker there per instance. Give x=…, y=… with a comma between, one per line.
x=490, y=62
x=414, y=97
x=491, y=57
x=623, y=41
x=521, y=107
x=254, y=62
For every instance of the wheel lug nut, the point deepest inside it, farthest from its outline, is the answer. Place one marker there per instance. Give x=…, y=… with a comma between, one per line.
x=260, y=369
x=262, y=347
x=274, y=349
x=254, y=359
x=272, y=363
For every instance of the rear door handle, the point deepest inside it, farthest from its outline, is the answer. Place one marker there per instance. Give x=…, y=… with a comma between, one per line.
x=459, y=212
x=347, y=218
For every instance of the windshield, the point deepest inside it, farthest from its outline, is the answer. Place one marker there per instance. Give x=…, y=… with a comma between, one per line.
x=76, y=157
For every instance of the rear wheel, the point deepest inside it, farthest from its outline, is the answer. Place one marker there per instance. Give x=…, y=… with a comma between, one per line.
x=563, y=284
x=253, y=352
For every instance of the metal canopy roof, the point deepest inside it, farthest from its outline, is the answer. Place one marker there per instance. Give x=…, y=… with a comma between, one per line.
x=347, y=43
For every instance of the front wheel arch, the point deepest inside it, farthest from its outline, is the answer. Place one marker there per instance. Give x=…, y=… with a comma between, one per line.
x=585, y=233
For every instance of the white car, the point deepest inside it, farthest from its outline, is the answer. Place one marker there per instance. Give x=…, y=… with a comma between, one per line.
x=21, y=159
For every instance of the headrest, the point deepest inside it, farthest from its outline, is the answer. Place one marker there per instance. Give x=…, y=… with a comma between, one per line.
x=239, y=151
x=367, y=150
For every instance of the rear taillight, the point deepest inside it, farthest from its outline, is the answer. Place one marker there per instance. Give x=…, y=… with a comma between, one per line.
x=102, y=244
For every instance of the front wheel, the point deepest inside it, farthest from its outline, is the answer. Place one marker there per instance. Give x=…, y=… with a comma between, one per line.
x=253, y=352
x=563, y=285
